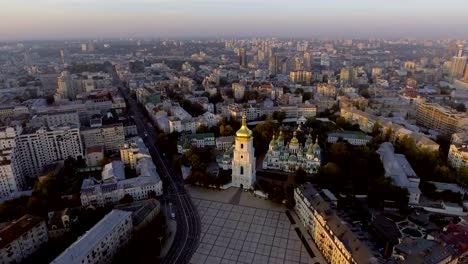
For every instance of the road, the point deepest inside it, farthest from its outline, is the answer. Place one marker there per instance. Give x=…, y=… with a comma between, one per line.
x=188, y=221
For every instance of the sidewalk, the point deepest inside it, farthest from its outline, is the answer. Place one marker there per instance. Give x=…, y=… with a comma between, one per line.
x=171, y=230
x=318, y=255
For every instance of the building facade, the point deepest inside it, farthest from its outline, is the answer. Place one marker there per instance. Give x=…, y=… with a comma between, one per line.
x=293, y=155
x=21, y=238
x=333, y=236
x=111, y=137
x=438, y=118
x=43, y=146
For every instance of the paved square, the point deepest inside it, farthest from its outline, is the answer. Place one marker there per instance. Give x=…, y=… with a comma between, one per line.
x=240, y=234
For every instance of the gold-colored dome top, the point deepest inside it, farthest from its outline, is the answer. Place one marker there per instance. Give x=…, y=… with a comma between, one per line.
x=244, y=131
x=294, y=140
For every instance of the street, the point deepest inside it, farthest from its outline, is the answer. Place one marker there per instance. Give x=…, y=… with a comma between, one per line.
x=188, y=222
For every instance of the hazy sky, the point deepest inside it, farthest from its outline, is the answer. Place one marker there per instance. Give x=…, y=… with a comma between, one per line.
x=43, y=19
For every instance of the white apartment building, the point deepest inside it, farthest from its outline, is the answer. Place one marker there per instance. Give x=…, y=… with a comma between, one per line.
x=111, y=137
x=21, y=238
x=11, y=176
x=43, y=146
x=458, y=152
x=101, y=242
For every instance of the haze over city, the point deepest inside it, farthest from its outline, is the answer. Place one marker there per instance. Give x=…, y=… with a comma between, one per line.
x=64, y=19
x=234, y=131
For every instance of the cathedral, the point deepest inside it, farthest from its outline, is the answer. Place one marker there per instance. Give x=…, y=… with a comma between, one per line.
x=293, y=155
x=243, y=161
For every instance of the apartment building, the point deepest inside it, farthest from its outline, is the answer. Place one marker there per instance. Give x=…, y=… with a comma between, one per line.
x=440, y=119
x=332, y=235
x=11, y=176
x=21, y=238
x=101, y=242
x=111, y=137
x=42, y=146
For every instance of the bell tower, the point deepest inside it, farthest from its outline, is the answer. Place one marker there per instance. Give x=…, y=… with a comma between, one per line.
x=243, y=162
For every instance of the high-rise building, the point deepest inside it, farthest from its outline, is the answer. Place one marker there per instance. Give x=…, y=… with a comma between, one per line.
x=239, y=91
x=458, y=63
x=43, y=146
x=62, y=56
x=348, y=75
x=11, y=176
x=307, y=60
x=243, y=162
x=242, y=57
x=111, y=137
x=325, y=60
x=273, y=65
x=303, y=77
x=297, y=63
x=65, y=88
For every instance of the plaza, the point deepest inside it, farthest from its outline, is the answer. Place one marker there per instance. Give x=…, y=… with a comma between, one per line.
x=238, y=233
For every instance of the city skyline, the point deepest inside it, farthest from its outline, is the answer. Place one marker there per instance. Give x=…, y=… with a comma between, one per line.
x=60, y=19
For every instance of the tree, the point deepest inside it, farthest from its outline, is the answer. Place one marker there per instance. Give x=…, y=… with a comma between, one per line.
x=203, y=129
x=307, y=96
x=300, y=176
x=279, y=116
x=104, y=161
x=460, y=107
x=376, y=129
x=226, y=130
x=126, y=199
x=50, y=100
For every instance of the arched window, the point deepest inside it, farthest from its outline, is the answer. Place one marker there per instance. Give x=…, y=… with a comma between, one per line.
x=242, y=146
x=242, y=170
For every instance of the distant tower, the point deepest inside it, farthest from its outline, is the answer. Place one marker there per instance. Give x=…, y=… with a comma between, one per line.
x=243, y=163
x=458, y=63
x=242, y=57
x=65, y=87
x=273, y=65
x=62, y=56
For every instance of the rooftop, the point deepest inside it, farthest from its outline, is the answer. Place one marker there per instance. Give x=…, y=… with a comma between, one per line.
x=17, y=228
x=80, y=248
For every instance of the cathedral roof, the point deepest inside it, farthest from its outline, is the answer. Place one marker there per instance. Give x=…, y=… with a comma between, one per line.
x=294, y=140
x=244, y=131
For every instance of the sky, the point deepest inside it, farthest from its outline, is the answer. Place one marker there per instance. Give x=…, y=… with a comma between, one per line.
x=65, y=19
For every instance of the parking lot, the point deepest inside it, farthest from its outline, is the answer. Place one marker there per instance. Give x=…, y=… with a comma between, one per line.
x=242, y=234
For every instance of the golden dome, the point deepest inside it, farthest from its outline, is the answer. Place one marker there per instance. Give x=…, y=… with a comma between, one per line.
x=244, y=131
x=294, y=140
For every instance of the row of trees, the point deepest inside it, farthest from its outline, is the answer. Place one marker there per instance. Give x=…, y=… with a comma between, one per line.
x=355, y=170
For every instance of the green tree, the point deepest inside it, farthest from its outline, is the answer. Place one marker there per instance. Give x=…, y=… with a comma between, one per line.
x=126, y=199
x=203, y=129
x=279, y=116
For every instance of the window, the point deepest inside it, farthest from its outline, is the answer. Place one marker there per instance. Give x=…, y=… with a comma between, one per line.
x=242, y=146
x=242, y=170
